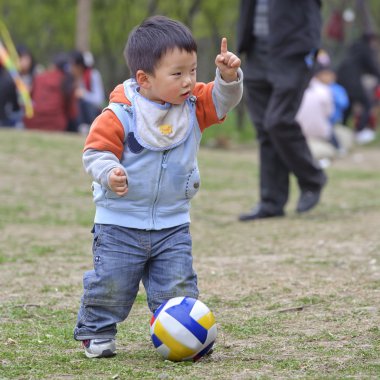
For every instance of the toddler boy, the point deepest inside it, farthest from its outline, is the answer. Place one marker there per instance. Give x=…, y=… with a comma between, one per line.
x=142, y=154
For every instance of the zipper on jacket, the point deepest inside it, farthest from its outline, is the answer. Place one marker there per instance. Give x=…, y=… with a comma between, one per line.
x=163, y=166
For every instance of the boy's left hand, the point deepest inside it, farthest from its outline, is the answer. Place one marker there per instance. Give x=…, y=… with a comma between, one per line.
x=227, y=62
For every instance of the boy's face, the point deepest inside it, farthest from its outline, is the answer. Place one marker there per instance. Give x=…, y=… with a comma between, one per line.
x=174, y=78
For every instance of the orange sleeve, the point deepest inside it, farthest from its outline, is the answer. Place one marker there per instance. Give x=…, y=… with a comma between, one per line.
x=205, y=108
x=107, y=134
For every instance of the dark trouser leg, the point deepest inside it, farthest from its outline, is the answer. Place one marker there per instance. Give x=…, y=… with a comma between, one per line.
x=347, y=112
x=361, y=98
x=286, y=134
x=274, y=174
x=365, y=112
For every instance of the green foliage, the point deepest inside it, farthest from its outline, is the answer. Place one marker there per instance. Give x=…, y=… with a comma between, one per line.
x=47, y=27
x=111, y=20
x=36, y=25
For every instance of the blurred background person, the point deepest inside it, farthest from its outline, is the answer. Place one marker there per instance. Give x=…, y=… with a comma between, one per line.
x=360, y=59
x=27, y=69
x=53, y=97
x=27, y=66
x=9, y=103
x=321, y=114
x=89, y=90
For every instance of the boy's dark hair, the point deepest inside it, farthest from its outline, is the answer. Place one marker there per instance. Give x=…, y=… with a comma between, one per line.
x=149, y=41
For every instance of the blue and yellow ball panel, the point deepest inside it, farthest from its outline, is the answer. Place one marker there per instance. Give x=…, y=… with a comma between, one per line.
x=183, y=328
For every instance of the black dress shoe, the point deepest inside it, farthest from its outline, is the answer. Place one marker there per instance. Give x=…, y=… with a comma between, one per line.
x=258, y=213
x=308, y=200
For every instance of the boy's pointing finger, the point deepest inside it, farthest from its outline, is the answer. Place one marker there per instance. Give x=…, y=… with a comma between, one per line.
x=223, y=46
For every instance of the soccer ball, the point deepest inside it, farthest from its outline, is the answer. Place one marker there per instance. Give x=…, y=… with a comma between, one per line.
x=183, y=328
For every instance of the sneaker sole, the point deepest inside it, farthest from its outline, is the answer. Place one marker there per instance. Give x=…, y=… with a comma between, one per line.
x=104, y=354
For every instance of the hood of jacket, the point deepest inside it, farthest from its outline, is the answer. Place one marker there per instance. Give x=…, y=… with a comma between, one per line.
x=118, y=95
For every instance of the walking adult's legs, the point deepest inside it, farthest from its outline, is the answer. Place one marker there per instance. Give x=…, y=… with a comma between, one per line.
x=285, y=132
x=274, y=175
x=365, y=103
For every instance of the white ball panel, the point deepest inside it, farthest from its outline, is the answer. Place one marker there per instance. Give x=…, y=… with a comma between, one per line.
x=199, y=310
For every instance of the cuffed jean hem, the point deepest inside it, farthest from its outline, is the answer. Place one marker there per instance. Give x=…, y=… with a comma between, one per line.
x=90, y=336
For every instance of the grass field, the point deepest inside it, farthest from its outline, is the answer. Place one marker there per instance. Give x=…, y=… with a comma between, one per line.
x=294, y=298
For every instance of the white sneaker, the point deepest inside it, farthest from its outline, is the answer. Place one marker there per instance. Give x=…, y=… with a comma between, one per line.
x=365, y=136
x=99, y=348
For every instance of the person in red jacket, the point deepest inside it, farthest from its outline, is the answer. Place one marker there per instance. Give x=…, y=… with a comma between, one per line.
x=53, y=98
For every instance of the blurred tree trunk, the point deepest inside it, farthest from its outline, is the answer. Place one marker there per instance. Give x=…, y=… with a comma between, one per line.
x=194, y=9
x=152, y=7
x=82, y=38
x=365, y=17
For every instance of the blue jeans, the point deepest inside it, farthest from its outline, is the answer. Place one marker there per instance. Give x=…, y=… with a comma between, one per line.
x=122, y=258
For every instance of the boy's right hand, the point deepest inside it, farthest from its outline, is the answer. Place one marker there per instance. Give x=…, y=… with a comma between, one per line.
x=228, y=63
x=117, y=181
